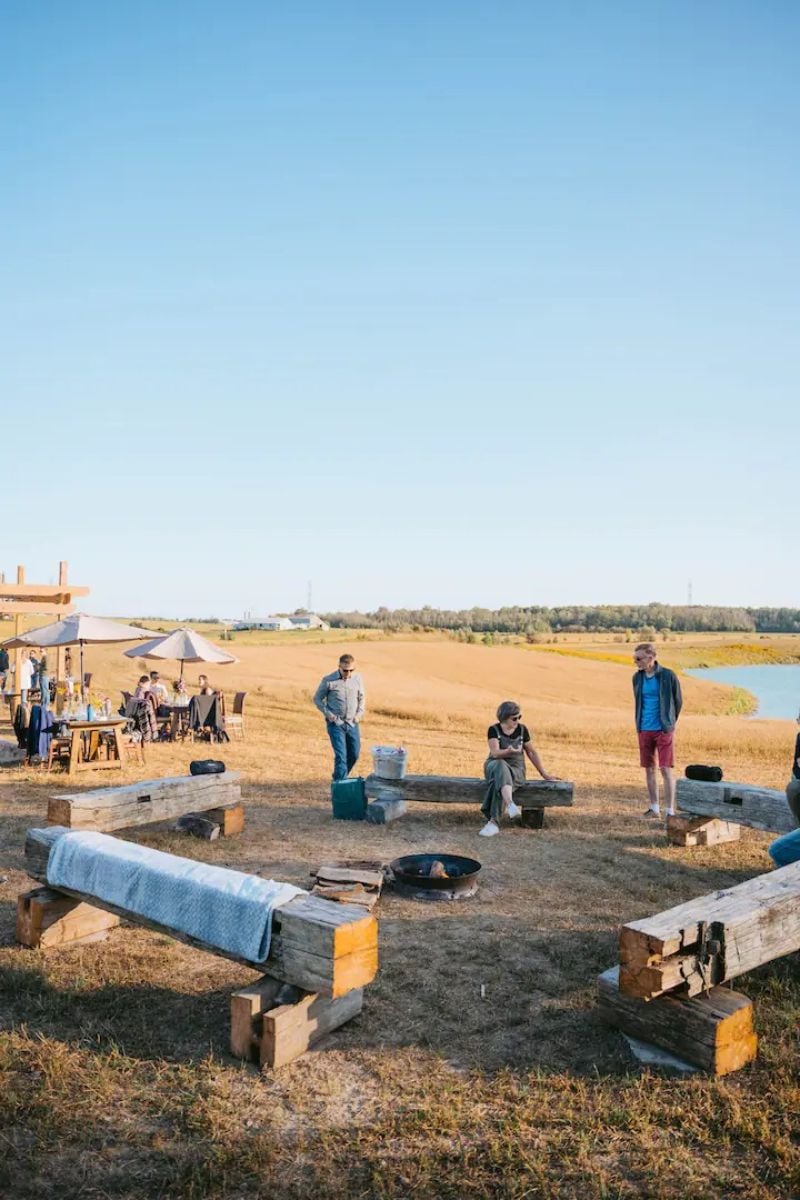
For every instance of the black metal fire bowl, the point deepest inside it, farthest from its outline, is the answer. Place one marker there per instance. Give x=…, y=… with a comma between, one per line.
x=411, y=876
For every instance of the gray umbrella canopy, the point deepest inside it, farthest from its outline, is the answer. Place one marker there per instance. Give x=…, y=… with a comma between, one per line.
x=182, y=645
x=78, y=629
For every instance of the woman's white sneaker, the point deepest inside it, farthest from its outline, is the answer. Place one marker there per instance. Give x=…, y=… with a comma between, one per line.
x=513, y=810
x=489, y=829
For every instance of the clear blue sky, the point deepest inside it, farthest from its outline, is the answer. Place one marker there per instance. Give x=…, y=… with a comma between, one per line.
x=455, y=302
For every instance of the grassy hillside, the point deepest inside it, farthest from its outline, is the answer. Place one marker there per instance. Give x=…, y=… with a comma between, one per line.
x=479, y=1066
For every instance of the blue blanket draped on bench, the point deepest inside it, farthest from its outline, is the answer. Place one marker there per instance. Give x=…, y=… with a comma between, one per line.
x=227, y=909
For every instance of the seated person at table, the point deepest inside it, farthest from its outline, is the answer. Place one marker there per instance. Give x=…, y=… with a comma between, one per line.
x=158, y=688
x=180, y=696
x=142, y=688
x=205, y=687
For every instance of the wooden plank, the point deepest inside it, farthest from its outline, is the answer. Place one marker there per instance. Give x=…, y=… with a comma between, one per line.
x=701, y=831
x=43, y=608
x=292, y=1029
x=446, y=789
x=333, y=874
x=716, y=937
x=316, y=944
x=713, y=1031
x=758, y=808
x=46, y=919
x=152, y=800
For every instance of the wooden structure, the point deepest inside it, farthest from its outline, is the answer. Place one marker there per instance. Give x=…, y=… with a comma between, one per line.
x=273, y=1025
x=47, y=919
x=717, y=937
x=316, y=945
x=46, y=600
x=533, y=796
x=714, y=1031
x=738, y=803
x=701, y=831
x=108, y=809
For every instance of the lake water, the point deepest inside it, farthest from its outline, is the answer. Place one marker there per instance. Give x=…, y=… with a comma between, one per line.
x=777, y=689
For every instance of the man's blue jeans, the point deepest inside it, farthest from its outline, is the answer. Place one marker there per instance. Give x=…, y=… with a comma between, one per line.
x=346, y=742
x=786, y=849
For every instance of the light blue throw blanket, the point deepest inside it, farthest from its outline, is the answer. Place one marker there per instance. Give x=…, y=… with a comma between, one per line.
x=227, y=909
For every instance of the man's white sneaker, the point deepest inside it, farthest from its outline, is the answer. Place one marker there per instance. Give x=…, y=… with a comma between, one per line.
x=489, y=829
x=513, y=810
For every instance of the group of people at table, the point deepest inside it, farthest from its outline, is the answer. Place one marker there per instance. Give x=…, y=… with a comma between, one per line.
x=151, y=688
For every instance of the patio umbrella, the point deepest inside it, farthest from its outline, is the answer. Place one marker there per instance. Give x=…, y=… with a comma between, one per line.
x=78, y=629
x=182, y=645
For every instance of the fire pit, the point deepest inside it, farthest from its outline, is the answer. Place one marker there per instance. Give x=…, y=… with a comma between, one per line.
x=435, y=876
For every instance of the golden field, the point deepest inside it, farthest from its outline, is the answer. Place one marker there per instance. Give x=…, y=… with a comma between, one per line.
x=116, y=1076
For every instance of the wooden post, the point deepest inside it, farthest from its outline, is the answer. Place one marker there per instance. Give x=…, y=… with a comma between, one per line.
x=18, y=651
x=714, y=1032
x=61, y=650
x=717, y=937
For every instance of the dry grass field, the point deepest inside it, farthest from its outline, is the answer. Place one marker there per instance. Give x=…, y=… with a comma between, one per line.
x=478, y=1067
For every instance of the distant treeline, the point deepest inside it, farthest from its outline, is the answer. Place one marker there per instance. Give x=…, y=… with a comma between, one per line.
x=605, y=618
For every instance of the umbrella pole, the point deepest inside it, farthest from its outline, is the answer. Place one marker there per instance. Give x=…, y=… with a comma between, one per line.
x=181, y=668
x=83, y=690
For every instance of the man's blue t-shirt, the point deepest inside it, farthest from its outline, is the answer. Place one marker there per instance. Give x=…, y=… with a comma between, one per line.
x=651, y=709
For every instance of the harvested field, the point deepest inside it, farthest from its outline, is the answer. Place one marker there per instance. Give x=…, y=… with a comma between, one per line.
x=479, y=1066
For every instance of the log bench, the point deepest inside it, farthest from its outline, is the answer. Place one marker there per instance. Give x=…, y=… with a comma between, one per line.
x=108, y=809
x=736, y=804
x=316, y=945
x=533, y=796
x=704, y=942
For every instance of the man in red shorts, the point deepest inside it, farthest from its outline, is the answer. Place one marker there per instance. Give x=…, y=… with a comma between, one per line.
x=658, y=702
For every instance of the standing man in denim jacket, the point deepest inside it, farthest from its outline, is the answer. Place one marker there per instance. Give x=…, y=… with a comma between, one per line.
x=340, y=699
x=658, y=702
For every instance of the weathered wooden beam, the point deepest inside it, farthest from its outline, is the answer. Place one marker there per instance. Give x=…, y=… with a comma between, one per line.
x=46, y=919
x=447, y=789
x=316, y=944
x=701, y=831
x=152, y=800
x=713, y=1031
x=716, y=937
x=44, y=608
x=272, y=1028
x=759, y=808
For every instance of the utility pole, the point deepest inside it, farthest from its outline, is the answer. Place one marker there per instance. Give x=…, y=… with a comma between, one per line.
x=689, y=594
x=308, y=603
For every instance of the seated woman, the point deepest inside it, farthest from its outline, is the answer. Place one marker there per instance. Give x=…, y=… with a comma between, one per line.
x=205, y=687
x=143, y=688
x=509, y=742
x=180, y=696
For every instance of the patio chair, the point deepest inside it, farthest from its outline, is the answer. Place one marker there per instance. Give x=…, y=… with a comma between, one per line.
x=235, y=719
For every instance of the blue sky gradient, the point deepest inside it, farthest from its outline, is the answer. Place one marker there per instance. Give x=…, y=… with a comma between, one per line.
x=452, y=304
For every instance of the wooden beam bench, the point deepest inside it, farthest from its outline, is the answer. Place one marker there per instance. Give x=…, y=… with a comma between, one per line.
x=533, y=796
x=736, y=803
x=108, y=809
x=696, y=945
x=714, y=1031
x=316, y=945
